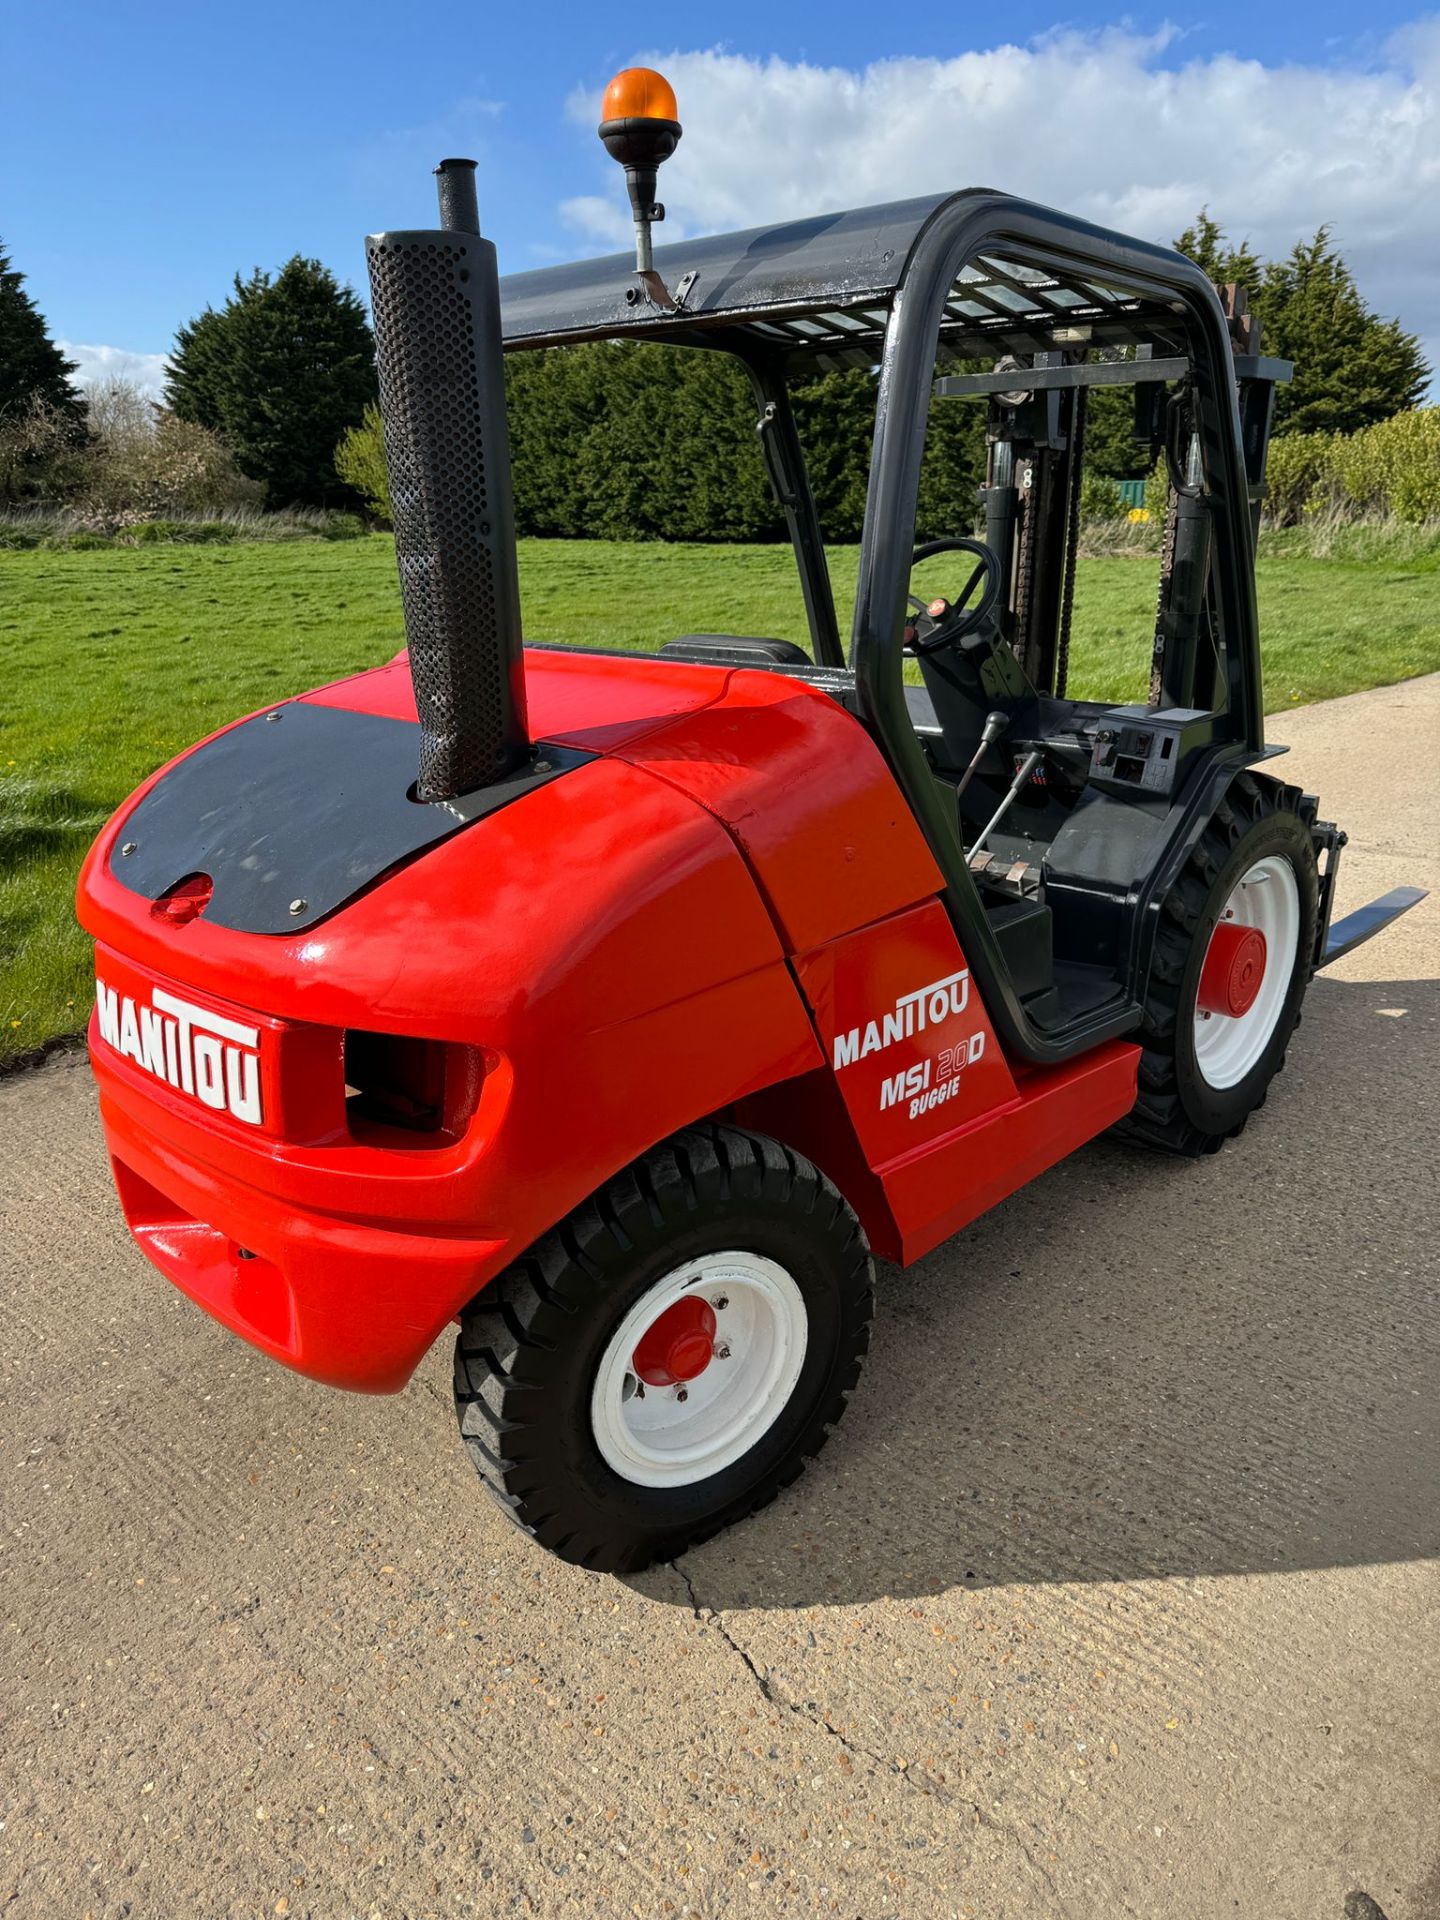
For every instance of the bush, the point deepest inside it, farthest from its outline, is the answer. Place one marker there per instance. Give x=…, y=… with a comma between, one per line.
x=360, y=463
x=1157, y=491
x=66, y=530
x=1389, y=471
x=1100, y=498
x=340, y=526
x=42, y=451
x=1299, y=470
x=145, y=464
x=1394, y=466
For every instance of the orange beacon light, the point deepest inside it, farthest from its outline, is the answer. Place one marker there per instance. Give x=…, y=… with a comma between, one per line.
x=640, y=128
x=639, y=93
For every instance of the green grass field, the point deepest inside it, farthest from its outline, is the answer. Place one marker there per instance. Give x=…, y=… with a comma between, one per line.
x=113, y=661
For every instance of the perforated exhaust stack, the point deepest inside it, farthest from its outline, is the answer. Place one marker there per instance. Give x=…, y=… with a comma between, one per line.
x=436, y=302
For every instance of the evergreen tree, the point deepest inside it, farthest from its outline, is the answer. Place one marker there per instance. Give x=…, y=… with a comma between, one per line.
x=835, y=418
x=1110, y=444
x=1351, y=367
x=624, y=440
x=1205, y=243
x=32, y=368
x=280, y=372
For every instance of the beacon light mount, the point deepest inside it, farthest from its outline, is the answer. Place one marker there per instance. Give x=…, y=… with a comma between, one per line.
x=640, y=128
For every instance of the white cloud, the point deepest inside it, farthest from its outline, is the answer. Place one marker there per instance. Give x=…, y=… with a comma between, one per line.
x=147, y=370
x=1091, y=122
x=604, y=221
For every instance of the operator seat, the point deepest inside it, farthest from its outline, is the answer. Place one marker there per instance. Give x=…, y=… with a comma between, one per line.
x=735, y=650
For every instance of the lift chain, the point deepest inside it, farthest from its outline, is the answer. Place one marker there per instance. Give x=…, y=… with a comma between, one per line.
x=1162, y=599
x=1179, y=433
x=1078, y=414
x=1024, y=564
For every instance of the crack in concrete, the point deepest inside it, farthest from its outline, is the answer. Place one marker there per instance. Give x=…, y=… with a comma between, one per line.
x=706, y=1614
x=929, y=1789
x=1036, y=1866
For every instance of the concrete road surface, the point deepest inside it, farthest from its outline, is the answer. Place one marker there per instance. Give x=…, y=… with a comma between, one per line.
x=1115, y=1594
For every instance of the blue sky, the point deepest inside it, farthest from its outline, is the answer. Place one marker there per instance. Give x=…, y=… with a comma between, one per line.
x=147, y=153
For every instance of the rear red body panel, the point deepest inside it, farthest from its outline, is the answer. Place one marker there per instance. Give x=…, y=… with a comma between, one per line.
x=687, y=925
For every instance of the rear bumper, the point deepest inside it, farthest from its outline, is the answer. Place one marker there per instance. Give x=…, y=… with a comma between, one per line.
x=346, y=1301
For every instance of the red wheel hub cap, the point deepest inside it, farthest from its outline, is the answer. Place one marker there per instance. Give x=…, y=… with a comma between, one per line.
x=679, y=1345
x=1233, y=971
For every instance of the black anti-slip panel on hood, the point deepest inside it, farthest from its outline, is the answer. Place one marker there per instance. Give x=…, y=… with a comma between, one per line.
x=294, y=812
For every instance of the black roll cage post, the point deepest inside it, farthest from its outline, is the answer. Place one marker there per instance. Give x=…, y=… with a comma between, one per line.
x=962, y=227
x=790, y=477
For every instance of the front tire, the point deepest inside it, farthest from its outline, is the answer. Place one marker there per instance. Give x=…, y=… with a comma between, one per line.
x=667, y=1358
x=1214, y=1040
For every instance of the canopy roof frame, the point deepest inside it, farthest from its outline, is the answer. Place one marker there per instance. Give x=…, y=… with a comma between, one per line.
x=819, y=292
x=923, y=274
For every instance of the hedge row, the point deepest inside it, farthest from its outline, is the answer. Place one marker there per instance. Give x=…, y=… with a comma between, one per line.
x=1391, y=469
x=620, y=440
x=627, y=441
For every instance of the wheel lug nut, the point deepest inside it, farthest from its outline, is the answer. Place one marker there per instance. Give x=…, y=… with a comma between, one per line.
x=682, y=1393
x=721, y=1303
x=722, y=1353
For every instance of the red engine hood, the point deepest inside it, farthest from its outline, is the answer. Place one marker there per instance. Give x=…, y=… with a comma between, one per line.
x=598, y=702
x=795, y=779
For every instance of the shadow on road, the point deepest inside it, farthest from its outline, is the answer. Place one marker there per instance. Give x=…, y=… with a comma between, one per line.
x=1145, y=1367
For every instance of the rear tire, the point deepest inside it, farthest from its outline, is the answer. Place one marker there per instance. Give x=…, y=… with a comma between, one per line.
x=549, y=1357
x=1199, y=1081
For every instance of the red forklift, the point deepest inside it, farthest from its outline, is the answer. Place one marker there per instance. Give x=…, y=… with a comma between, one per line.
x=618, y=1007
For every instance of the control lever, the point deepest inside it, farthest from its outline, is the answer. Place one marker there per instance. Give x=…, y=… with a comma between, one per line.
x=995, y=724
x=1023, y=772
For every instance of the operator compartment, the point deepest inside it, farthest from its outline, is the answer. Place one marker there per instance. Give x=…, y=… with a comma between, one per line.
x=1064, y=810
x=1061, y=807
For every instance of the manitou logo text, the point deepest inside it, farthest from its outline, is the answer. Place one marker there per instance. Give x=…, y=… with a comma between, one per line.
x=201, y=1053
x=914, y=1012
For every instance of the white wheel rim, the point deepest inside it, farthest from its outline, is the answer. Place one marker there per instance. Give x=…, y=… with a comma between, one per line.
x=1227, y=1046
x=654, y=1437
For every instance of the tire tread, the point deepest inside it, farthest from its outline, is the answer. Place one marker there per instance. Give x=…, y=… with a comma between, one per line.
x=532, y=1308
x=1159, y=1119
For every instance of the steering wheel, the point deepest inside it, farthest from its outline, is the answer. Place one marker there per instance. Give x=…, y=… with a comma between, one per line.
x=942, y=623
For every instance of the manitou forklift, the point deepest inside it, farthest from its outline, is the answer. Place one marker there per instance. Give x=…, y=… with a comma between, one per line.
x=617, y=1006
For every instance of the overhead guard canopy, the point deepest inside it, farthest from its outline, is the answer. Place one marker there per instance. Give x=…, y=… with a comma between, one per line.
x=830, y=258
x=818, y=292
